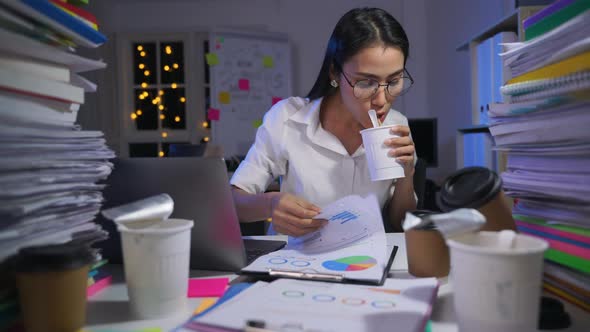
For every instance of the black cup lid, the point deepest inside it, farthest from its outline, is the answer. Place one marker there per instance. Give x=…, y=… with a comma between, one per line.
x=54, y=257
x=470, y=187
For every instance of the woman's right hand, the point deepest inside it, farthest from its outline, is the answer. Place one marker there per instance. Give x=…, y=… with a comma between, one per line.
x=292, y=215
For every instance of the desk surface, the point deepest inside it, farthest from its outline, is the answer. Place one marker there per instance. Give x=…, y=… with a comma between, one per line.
x=109, y=309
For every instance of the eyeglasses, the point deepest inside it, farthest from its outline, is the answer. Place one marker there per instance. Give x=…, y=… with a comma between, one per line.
x=367, y=88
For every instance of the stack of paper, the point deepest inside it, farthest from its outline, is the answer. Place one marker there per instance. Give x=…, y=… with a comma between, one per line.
x=544, y=130
x=297, y=305
x=49, y=166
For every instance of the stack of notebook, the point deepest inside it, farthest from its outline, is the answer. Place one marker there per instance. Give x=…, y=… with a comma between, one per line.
x=98, y=278
x=544, y=130
x=49, y=166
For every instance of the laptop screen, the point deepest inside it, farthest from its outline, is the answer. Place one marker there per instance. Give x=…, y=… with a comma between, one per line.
x=201, y=192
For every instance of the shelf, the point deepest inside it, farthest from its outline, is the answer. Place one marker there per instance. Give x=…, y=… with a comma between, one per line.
x=508, y=23
x=474, y=129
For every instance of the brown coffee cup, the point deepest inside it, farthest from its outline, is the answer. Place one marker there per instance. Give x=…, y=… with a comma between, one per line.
x=427, y=252
x=478, y=188
x=51, y=282
x=472, y=187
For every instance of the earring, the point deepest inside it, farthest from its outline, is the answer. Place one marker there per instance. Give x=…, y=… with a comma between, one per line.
x=334, y=83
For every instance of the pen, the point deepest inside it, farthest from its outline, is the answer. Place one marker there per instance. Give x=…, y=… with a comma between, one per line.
x=256, y=326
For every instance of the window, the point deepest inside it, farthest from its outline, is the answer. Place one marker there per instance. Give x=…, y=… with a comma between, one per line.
x=163, y=84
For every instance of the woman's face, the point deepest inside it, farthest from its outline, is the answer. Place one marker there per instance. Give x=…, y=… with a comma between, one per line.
x=380, y=63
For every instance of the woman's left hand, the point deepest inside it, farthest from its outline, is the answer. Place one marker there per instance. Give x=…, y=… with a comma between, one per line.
x=402, y=148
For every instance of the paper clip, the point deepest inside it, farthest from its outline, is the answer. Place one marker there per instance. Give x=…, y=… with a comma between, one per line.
x=306, y=275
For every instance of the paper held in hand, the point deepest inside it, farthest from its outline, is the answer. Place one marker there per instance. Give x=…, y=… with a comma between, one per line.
x=350, y=248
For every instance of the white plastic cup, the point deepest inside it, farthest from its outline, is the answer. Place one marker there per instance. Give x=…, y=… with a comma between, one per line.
x=496, y=288
x=381, y=166
x=156, y=260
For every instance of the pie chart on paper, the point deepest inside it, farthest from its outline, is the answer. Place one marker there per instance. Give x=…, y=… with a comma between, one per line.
x=350, y=263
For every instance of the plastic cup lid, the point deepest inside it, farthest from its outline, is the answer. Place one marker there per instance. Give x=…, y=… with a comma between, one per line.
x=470, y=187
x=55, y=257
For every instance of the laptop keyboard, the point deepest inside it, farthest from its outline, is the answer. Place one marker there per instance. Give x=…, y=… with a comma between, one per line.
x=257, y=248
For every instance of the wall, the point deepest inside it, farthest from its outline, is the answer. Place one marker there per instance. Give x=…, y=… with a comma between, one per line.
x=451, y=23
x=435, y=29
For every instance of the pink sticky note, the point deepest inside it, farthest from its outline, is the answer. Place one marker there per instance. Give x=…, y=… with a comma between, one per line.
x=213, y=114
x=214, y=287
x=244, y=84
x=276, y=100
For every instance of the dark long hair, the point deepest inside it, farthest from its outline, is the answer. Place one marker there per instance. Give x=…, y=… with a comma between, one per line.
x=357, y=29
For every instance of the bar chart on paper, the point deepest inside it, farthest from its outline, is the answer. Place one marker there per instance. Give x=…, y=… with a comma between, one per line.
x=344, y=217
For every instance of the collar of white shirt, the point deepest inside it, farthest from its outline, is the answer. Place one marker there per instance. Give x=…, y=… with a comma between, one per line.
x=309, y=115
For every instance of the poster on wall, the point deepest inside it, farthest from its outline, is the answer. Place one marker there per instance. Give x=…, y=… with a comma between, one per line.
x=248, y=74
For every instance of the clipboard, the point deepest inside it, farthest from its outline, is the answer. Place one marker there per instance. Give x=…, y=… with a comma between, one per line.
x=272, y=274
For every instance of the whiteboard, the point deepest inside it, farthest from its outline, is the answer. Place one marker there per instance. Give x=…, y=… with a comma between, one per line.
x=248, y=74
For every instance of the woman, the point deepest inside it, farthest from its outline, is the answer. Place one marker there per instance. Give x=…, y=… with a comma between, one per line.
x=314, y=144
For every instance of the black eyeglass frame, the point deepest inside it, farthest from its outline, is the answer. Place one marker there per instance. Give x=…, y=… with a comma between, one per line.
x=386, y=85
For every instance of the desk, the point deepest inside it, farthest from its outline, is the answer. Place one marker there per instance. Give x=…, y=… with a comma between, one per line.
x=109, y=309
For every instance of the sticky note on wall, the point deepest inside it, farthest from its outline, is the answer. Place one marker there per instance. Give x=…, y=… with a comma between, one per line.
x=244, y=84
x=224, y=97
x=213, y=114
x=268, y=62
x=212, y=59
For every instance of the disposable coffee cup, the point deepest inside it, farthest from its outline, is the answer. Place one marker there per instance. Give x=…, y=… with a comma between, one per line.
x=420, y=246
x=496, y=288
x=156, y=262
x=478, y=188
x=51, y=282
x=381, y=166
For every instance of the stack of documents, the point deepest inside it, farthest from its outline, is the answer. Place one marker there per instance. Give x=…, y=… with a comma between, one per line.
x=298, y=305
x=544, y=130
x=350, y=252
x=49, y=167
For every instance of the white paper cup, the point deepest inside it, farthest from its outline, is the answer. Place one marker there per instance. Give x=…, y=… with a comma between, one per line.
x=381, y=166
x=496, y=289
x=156, y=260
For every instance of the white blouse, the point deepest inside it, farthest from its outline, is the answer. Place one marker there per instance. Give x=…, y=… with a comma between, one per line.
x=309, y=161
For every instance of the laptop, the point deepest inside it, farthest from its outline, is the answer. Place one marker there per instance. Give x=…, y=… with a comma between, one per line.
x=201, y=192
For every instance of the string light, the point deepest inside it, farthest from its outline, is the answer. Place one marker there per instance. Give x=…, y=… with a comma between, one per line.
x=161, y=92
x=177, y=119
x=139, y=48
x=162, y=117
x=173, y=85
x=142, y=97
x=138, y=112
x=144, y=85
x=161, y=154
x=155, y=101
x=206, y=139
x=205, y=124
x=141, y=66
x=164, y=134
x=166, y=68
x=182, y=99
x=142, y=54
x=145, y=94
x=168, y=50
x=146, y=73
x=175, y=66
x=133, y=116
x=161, y=107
